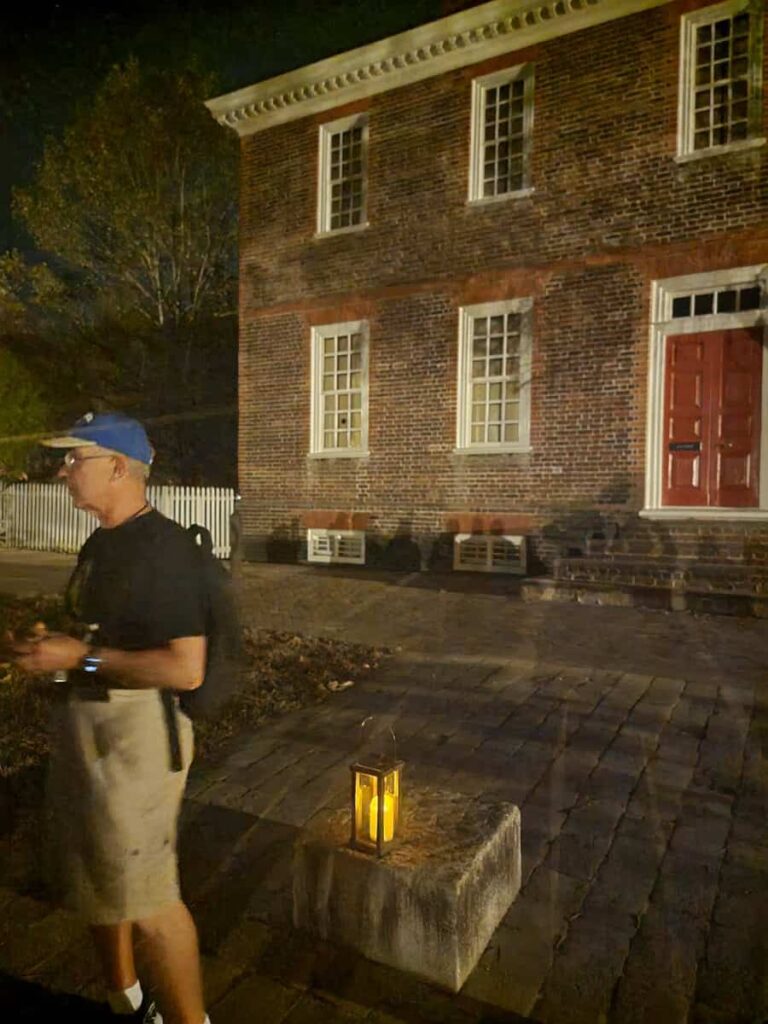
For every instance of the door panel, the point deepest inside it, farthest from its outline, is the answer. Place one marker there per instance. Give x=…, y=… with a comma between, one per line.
x=685, y=420
x=736, y=436
x=712, y=399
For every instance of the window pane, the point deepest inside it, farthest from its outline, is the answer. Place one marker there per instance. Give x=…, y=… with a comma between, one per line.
x=503, y=132
x=721, y=56
x=726, y=301
x=346, y=175
x=703, y=304
x=494, y=388
x=749, y=298
x=341, y=390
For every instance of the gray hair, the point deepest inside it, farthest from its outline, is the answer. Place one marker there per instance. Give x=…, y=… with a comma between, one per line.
x=137, y=470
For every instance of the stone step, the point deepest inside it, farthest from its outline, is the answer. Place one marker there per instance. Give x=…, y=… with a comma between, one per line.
x=702, y=577
x=689, y=548
x=629, y=595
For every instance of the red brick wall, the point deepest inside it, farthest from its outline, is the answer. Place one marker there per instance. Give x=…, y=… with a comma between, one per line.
x=610, y=212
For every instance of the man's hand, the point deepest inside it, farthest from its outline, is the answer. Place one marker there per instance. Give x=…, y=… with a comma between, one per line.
x=51, y=654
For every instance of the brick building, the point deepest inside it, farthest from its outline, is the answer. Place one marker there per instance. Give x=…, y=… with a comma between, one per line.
x=504, y=276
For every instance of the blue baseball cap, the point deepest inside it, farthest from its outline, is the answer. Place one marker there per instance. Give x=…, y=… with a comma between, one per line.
x=110, y=430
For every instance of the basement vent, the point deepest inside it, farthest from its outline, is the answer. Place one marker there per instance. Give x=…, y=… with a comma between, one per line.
x=346, y=547
x=482, y=552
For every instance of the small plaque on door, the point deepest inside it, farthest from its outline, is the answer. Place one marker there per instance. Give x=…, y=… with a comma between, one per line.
x=685, y=446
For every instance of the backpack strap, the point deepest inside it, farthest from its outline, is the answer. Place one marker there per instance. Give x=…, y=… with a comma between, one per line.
x=202, y=537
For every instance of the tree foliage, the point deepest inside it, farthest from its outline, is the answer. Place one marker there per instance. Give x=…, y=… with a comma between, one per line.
x=23, y=413
x=134, y=207
x=139, y=196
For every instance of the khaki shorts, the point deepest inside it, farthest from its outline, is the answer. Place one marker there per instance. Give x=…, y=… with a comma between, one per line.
x=113, y=806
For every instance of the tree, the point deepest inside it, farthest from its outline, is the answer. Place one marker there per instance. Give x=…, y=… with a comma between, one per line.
x=139, y=195
x=135, y=208
x=23, y=413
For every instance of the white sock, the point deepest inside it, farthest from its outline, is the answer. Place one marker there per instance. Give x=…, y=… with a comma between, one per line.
x=127, y=1000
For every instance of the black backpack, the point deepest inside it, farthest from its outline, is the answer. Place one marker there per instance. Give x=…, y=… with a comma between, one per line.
x=224, y=658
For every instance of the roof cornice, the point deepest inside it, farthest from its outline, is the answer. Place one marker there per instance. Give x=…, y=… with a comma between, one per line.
x=465, y=38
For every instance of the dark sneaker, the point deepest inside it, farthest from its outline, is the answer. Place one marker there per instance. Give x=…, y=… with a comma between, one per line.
x=148, y=1012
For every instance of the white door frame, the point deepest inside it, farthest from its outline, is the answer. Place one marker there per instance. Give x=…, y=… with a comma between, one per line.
x=663, y=325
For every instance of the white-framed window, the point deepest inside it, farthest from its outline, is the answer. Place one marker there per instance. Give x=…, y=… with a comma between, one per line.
x=342, y=547
x=695, y=304
x=500, y=140
x=720, y=78
x=343, y=175
x=482, y=552
x=494, y=385
x=340, y=390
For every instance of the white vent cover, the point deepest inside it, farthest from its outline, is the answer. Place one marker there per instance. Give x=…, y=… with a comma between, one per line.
x=484, y=552
x=336, y=546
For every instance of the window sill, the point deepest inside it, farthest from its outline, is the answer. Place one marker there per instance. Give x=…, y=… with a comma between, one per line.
x=727, y=514
x=480, y=201
x=314, y=456
x=731, y=147
x=351, y=230
x=495, y=450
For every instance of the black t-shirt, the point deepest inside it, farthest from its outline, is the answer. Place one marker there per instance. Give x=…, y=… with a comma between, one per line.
x=141, y=583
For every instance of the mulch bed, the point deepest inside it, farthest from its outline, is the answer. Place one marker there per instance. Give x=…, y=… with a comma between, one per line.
x=282, y=672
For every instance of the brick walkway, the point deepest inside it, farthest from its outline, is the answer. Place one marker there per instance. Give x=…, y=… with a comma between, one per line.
x=643, y=792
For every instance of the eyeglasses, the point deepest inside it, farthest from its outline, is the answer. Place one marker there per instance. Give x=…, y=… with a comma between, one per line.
x=71, y=460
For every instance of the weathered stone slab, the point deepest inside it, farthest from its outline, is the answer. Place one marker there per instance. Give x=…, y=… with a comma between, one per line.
x=432, y=903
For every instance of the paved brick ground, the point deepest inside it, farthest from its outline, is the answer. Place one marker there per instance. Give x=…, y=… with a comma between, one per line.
x=633, y=742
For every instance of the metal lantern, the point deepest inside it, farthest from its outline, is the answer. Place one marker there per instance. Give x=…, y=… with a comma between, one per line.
x=376, y=792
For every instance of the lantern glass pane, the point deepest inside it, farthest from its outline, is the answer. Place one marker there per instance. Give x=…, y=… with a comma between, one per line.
x=391, y=804
x=377, y=806
x=366, y=791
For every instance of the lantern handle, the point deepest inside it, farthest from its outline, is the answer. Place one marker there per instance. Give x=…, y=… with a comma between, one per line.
x=370, y=718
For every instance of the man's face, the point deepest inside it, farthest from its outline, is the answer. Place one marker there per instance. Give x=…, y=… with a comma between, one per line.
x=88, y=472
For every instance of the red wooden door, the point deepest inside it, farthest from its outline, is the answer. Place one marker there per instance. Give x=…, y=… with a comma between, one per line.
x=712, y=398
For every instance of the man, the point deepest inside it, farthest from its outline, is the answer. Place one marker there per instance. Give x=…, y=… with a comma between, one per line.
x=116, y=779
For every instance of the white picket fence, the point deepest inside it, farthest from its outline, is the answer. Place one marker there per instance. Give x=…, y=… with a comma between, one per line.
x=40, y=517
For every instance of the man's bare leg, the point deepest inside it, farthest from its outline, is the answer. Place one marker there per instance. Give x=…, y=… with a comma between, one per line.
x=167, y=945
x=114, y=947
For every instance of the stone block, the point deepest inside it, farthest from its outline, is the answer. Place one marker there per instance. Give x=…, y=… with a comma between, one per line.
x=431, y=904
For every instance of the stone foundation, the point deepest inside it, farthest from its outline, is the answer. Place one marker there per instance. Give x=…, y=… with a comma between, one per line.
x=432, y=903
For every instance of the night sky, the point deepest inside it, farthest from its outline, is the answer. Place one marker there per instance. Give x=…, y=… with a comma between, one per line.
x=54, y=54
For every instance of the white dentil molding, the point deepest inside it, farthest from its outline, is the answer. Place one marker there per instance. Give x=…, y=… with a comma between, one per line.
x=467, y=37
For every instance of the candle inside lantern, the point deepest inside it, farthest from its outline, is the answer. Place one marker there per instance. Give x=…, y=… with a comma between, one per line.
x=389, y=818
